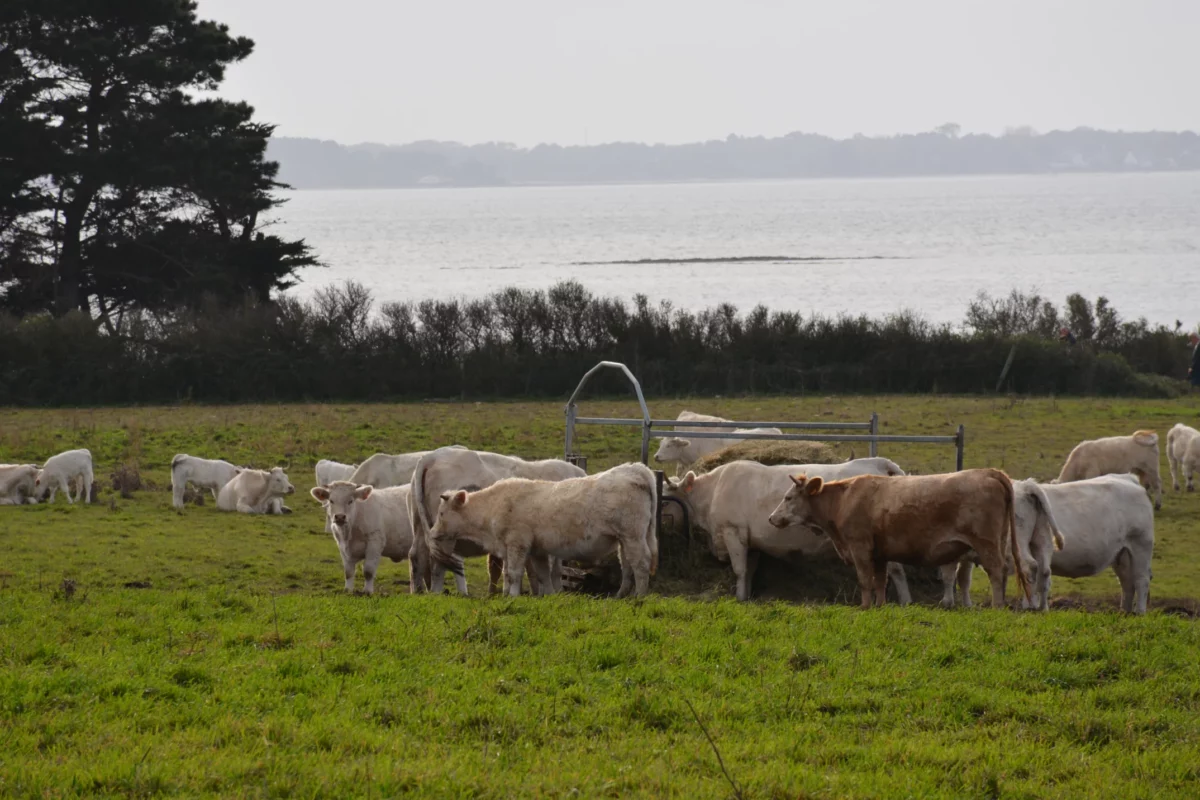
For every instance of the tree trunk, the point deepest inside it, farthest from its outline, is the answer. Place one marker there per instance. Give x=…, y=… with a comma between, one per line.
x=68, y=290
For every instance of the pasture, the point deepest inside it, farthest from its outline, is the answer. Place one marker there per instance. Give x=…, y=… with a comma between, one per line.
x=148, y=652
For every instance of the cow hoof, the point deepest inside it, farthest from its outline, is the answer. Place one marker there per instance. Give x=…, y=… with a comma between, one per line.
x=285, y=510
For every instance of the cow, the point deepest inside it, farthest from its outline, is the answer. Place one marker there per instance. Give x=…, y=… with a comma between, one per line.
x=203, y=473
x=733, y=501
x=1038, y=536
x=366, y=524
x=72, y=468
x=1115, y=455
x=17, y=484
x=256, y=491
x=1107, y=521
x=1183, y=454
x=685, y=452
x=329, y=471
x=382, y=470
x=702, y=446
x=928, y=520
x=452, y=468
x=584, y=518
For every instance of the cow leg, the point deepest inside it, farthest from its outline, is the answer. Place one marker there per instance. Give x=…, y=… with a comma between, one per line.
x=896, y=573
x=495, y=566
x=1187, y=475
x=419, y=577
x=1174, y=465
x=535, y=585
x=948, y=572
x=881, y=579
x=348, y=565
x=514, y=570
x=371, y=561
x=752, y=557
x=626, y=571
x=738, y=559
x=1141, y=569
x=539, y=569
x=997, y=572
x=1123, y=566
x=88, y=479
x=245, y=508
x=864, y=570
x=177, y=495
x=556, y=566
x=1156, y=487
x=965, y=570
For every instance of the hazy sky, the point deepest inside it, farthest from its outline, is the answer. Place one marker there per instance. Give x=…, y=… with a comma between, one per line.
x=529, y=71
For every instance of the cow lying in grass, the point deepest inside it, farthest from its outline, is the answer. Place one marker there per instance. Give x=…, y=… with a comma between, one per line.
x=70, y=470
x=17, y=484
x=1183, y=454
x=256, y=491
x=687, y=451
x=927, y=520
x=583, y=518
x=203, y=473
x=1116, y=455
x=732, y=503
x=367, y=524
x=1106, y=522
x=449, y=469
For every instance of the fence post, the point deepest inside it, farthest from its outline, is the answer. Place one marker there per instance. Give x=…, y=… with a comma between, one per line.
x=873, y=448
x=570, y=447
x=646, y=443
x=658, y=484
x=959, y=440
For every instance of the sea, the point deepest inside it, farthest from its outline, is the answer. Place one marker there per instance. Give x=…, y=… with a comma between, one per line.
x=819, y=247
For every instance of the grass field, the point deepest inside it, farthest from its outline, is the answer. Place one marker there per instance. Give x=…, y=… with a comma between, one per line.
x=201, y=653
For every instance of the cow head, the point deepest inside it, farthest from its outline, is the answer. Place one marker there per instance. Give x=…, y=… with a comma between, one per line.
x=340, y=499
x=796, y=507
x=278, y=484
x=672, y=449
x=450, y=523
x=40, y=489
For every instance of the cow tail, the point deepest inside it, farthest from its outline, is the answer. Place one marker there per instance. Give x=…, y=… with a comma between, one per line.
x=1043, y=504
x=652, y=533
x=1018, y=562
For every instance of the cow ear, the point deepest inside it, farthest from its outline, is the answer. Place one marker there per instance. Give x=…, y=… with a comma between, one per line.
x=320, y=494
x=459, y=499
x=815, y=485
x=689, y=481
x=363, y=492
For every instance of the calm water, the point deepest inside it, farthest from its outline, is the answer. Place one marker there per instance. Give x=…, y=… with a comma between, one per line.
x=923, y=243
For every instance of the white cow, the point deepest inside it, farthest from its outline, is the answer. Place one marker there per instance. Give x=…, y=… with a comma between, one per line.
x=1037, y=537
x=382, y=470
x=329, y=471
x=685, y=452
x=1183, y=454
x=72, y=468
x=17, y=484
x=734, y=501
x=366, y=524
x=203, y=473
x=1106, y=522
x=256, y=491
x=1116, y=455
x=583, y=518
x=450, y=469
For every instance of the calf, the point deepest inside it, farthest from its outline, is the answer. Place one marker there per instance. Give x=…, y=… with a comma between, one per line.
x=583, y=518
x=72, y=468
x=17, y=484
x=452, y=468
x=1107, y=521
x=366, y=524
x=1115, y=455
x=256, y=491
x=329, y=471
x=1183, y=454
x=203, y=473
x=733, y=502
x=928, y=520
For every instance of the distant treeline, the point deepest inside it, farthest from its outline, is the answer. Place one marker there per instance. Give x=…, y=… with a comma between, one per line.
x=311, y=163
x=522, y=343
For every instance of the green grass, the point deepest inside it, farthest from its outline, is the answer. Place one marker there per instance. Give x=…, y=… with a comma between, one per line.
x=244, y=671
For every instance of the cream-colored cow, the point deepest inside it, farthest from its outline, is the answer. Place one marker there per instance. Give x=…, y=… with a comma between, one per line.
x=256, y=491
x=367, y=524
x=1115, y=455
x=1183, y=454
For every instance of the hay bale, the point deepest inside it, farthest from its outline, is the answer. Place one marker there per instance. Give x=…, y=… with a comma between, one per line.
x=126, y=480
x=768, y=452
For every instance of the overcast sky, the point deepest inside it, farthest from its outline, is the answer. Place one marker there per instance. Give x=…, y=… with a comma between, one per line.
x=529, y=71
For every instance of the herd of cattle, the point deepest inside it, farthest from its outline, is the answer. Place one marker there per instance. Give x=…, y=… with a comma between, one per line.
x=437, y=507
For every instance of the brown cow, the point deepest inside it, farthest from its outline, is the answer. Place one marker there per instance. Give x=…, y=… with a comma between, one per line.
x=927, y=520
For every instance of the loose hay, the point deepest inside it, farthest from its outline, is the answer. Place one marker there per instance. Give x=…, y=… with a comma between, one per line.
x=768, y=452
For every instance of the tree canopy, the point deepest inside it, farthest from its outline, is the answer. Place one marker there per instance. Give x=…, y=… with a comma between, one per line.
x=122, y=185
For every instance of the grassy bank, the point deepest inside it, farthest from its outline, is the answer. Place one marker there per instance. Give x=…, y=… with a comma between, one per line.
x=201, y=653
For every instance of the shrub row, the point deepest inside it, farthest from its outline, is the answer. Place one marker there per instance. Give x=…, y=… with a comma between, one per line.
x=519, y=343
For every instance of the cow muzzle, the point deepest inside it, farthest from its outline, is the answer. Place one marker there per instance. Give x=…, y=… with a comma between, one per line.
x=339, y=519
x=291, y=490
x=778, y=521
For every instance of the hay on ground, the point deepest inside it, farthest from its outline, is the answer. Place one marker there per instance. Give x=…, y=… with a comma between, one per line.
x=768, y=452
